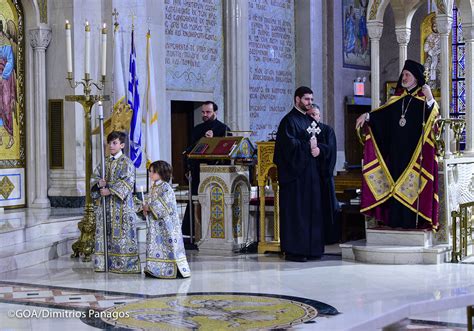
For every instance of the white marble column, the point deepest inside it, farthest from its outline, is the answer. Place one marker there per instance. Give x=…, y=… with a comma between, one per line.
x=375, y=29
x=444, y=27
x=468, y=34
x=39, y=39
x=403, y=38
x=237, y=115
x=309, y=50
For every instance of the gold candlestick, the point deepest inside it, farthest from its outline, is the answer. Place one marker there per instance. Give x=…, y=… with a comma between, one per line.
x=85, y=244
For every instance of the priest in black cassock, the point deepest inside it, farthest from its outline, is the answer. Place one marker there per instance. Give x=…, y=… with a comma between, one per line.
x=210, y=127
x=400, y=172
x=301, y=161
x=325, y=135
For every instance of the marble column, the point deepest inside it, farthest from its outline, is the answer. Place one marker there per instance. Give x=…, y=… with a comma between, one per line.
x=444, y=27
x=375, y=29
x=237, y=114
x=39, y=39
x=403, y=38
x=309, y=50
x=468, y=34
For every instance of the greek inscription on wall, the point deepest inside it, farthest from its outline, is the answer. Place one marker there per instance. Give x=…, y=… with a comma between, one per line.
x=194, y=52
x=271, y=61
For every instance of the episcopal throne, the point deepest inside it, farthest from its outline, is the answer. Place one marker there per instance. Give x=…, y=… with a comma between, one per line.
x=224, y=193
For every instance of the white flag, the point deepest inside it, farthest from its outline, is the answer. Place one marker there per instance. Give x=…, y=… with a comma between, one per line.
x=118, y=72
x=152, y=145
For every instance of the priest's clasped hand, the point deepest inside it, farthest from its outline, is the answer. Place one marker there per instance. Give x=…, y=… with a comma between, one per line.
x=314, y=146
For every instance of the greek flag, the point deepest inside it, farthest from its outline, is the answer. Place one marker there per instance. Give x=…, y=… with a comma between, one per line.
x=134, y=102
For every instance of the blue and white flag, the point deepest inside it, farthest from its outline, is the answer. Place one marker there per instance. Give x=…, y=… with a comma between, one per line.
x=134, y=102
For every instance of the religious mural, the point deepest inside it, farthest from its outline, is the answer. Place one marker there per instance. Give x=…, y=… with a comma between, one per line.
x=12, y=154
x=355, y=48
x=431, y=51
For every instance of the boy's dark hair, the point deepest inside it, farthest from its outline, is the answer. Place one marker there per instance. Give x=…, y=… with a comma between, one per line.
x=302, y=90
x=162, y=168
x=214, y=106
x=117, y=135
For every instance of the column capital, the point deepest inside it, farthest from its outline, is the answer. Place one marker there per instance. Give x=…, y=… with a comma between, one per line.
x=375, y=29
x=444, y=23
x=403, y=34
x=40, y=37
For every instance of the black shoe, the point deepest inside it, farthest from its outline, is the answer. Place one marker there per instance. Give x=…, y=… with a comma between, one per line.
x=295, y=258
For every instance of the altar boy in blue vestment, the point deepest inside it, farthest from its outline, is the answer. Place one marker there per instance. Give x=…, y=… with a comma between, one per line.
x=117, y=188
x=165, y=254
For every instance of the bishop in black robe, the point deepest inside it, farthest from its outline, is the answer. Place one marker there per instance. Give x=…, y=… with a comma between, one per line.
x=400, y=136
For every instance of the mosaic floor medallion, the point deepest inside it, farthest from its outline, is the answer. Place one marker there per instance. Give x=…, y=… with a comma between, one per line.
x=216, y=311
x=207, y=311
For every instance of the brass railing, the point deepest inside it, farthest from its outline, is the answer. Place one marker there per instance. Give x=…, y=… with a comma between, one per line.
x=462, y=220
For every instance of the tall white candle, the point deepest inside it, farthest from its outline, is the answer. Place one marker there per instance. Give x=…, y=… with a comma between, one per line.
x=87, y=50
x=100, y=109
x=68, y=47
x=104, y=49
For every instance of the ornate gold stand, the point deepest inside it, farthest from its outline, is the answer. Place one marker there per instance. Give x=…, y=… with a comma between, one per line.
x=267, y=169
x=463, y=235
x=85, y=244
x=455, y=124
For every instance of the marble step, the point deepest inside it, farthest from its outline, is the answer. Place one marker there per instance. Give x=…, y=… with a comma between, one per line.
x=32, y=236
x=360, y=251
x=24, y=225
x=36, y=251
x=399, y=237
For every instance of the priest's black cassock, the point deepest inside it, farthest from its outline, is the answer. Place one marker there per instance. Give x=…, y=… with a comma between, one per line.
x=219, y=129
x=332, y=230
x=301, y=181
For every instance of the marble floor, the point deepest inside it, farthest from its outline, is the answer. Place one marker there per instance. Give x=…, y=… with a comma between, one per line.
x=48, y=293
x=360, y=292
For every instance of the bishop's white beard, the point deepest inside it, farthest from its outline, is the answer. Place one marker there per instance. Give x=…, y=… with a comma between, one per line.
x=409, y=87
